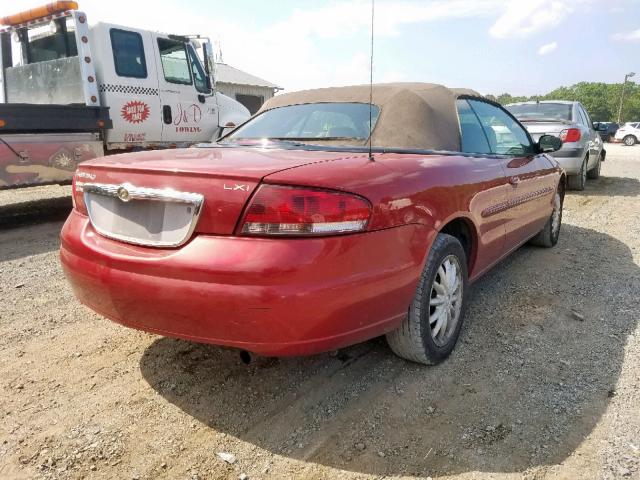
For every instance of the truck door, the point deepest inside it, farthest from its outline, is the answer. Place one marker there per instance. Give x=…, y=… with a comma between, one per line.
x=189, y=110
x=128, y=85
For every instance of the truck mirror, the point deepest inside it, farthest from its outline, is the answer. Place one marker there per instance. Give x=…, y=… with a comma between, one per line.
x=209, y=66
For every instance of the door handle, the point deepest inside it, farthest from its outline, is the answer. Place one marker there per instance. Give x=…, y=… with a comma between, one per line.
x=201, y=98
x=514, y=180
x=166, y=114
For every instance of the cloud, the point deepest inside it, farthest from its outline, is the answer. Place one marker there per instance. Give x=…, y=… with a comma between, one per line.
x=523, y=19
x=297, y=50
x=547, y=48
x=323, y=43
x=633, y=36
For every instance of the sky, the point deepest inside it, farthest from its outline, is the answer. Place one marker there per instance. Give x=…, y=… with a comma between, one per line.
x=522, y=47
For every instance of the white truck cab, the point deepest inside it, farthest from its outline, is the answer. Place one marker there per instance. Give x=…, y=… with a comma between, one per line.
x=158, y=90
x=70, y=91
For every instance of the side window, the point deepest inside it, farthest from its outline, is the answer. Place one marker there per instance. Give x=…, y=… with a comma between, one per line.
x=199, y=77
x=128, y=53
x=473, y=138
x=581, y=118
x=586, y=117
x=506, y=136
x=175, y=64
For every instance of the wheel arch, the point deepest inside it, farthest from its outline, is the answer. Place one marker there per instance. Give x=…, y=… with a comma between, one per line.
x=466, y=232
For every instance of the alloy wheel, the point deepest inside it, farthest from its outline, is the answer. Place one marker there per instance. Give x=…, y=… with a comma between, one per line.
x=445, y=303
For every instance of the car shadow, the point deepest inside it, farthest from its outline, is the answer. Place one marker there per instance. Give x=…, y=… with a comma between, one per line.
x=538, y=361
x=31, y=239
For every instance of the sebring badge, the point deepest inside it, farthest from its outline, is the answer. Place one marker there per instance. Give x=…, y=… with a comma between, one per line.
x=123, y=194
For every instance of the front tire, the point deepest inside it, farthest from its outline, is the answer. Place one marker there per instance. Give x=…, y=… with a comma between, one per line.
x=577, y=182
x=548, y=236
x=629, y=140
x=431, y=328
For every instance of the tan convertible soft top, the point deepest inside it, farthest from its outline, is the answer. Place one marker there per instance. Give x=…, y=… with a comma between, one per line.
x=412, y=115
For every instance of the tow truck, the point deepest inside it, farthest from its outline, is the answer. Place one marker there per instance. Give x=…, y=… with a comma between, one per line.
x=70, y=92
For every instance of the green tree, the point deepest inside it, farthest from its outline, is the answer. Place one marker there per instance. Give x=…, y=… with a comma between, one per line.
x=602, y=100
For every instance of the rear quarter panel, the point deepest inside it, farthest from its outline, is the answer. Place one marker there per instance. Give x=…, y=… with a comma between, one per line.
x=424, y=189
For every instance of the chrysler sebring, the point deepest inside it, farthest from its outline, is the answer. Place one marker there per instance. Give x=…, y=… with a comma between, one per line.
x=325, y=220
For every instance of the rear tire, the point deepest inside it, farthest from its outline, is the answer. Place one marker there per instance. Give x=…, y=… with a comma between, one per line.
x=431, y=328
x=548, y=236
x=594, y=173
x=629, y=140
x=577, y=182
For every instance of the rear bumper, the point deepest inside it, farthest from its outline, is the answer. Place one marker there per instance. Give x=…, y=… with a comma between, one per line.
x=268, y=296
x=570, y=159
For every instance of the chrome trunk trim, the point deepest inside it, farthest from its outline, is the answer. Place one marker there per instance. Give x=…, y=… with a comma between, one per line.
x=127, y=192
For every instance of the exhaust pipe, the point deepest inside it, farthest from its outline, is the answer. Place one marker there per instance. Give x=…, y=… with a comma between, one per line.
x=245, y=357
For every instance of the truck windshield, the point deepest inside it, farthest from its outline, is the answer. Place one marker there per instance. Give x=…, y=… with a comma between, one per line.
x=310, y=122
x=533, y=111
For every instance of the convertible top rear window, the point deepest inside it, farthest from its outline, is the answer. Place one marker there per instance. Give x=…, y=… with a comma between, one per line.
x=310, y=122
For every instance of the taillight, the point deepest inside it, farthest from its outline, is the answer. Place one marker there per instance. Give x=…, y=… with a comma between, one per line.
x=570, y=135
x=77, y=195
x=281, y=210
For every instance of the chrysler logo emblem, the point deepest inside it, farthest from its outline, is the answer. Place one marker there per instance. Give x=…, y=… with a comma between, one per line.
x=123, y=194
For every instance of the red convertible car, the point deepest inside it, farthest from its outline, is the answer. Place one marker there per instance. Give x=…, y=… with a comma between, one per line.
x=292, y=235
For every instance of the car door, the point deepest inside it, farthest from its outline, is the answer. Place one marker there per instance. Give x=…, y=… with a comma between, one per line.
x=594, y=142
x=189, y=110
x=492, y=188
x=530, y=174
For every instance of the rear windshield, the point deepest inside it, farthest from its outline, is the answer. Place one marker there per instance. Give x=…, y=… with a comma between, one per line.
x=310, y=123
x=535, y=111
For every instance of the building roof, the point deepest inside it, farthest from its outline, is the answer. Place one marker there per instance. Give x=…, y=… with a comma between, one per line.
x=412, y=115
x=228, y=74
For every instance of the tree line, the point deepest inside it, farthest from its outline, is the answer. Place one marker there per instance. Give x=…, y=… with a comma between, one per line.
x=602, y=100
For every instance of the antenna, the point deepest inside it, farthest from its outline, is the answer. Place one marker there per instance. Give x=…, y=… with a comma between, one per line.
x=371, y=82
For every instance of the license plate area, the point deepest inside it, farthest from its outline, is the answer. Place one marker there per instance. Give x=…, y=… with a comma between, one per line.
x=143, y=216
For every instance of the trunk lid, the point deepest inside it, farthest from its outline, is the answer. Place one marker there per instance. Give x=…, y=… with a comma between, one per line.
x=225, y=178
x=538, y=128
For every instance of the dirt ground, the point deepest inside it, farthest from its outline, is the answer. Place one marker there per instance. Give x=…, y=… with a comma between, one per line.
x=544, y=384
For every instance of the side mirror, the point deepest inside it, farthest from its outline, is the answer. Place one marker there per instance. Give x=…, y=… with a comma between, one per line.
x=549, y=143
x=209, y=65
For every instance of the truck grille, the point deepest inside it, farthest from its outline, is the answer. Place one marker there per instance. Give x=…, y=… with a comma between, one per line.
x=143, y=216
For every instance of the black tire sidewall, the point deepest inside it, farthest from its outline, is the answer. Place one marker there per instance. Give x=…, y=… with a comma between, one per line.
x=451, y=247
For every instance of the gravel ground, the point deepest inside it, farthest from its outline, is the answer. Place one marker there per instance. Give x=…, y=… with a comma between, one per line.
x=544, y=383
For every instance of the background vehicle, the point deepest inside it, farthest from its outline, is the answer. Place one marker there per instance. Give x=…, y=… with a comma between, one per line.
x=582, y=148
x=71, y=92
x=629, y=134
x=606, y=130
x=269, y=224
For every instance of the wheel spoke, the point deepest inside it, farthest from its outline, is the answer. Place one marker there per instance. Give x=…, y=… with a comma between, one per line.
x=443, y=278
x=438, y=300
x=445, y=322
x=435, y=316
x=436, y=328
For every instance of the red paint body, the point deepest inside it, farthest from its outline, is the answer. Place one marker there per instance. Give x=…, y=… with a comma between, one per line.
x=294, y=296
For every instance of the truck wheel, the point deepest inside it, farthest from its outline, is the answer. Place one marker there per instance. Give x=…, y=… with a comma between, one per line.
x=577, y=182
x=629, y=140
x=432, y=326
x=594, y=173
x=548, y=236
